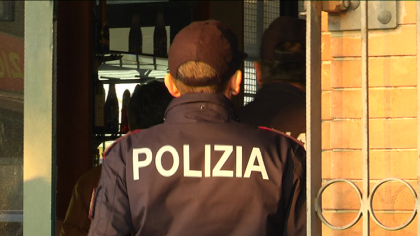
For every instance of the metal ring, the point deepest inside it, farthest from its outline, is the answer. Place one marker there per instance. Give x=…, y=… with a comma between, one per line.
x=319, y=210
x=371, y=203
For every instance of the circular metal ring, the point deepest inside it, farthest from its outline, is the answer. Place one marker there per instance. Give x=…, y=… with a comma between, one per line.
x=319, y=210
x=371, y=204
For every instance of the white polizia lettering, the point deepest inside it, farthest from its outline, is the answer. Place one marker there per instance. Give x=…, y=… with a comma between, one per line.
x=138, y=164
x=220, y=169
x=255, y=155
x=175, y=163
x=217, y=171
x=238, y=161
x=207, y=163
x=187, y=171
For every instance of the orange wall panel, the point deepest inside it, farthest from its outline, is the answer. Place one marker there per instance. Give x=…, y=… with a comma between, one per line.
x=383, y=103
x=396, y=42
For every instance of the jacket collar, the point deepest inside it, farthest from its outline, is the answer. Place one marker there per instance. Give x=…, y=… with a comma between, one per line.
x=201, y=107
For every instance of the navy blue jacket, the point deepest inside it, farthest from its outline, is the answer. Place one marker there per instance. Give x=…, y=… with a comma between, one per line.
x=280, y=106
x=202, y=172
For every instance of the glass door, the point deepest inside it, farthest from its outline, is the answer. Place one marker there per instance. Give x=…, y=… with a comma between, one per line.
x=11, y=116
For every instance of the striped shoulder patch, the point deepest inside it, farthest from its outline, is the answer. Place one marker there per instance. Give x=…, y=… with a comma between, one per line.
x=283, y=134
x=92, y=204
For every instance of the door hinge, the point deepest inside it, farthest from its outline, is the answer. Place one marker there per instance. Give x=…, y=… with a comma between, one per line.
x=345, y=15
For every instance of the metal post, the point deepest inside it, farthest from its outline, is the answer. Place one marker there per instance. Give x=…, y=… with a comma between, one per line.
x=365, y=115
x=313, y=113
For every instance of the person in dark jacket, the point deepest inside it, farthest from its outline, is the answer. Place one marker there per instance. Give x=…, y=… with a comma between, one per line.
x=202, y=172
x=145, y=109
x=280, y=103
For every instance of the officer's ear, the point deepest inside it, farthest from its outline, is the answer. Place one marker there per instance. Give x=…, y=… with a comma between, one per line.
x=170, y=85
x=257, y=67
x=235, y=84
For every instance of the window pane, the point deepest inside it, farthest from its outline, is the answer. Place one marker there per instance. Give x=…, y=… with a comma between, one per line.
x=258, y=15
x=11, y=116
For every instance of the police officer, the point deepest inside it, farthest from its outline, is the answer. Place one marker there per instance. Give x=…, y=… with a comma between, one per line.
x=281, y=73
x=202, y=172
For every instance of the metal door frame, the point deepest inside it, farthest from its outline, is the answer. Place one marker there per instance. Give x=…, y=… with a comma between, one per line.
x=38, y=194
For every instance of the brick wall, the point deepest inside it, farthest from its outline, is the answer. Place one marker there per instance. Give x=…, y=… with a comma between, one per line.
x=393, y=123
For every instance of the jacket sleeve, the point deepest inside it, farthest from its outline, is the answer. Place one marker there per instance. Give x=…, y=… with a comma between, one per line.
x=111, y=210
x=296, y=205
x=76, y=221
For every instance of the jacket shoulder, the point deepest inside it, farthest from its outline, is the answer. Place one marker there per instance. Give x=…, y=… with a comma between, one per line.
x=290, y=138
x=120, y=139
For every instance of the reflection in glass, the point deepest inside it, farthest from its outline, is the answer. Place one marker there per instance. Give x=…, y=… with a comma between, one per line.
x=11, y=122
